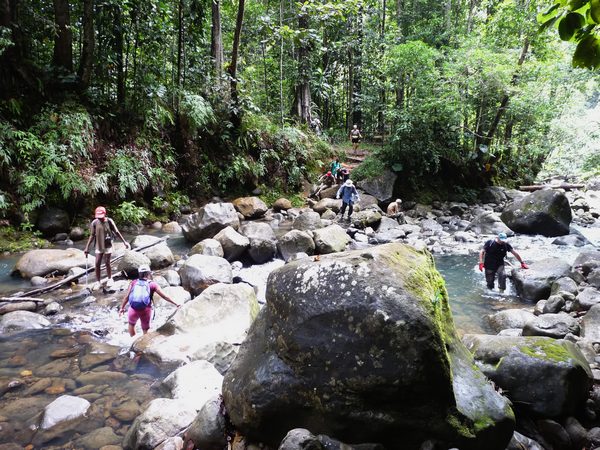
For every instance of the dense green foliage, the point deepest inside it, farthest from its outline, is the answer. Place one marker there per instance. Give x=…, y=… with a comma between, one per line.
x=137, y=104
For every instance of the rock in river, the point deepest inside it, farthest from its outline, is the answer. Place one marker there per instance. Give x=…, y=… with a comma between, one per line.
x=535, y=283
x=209, y=220
x=65, y=407
x=362, y=345
x=200, y=271
x=22, y=320
x=45, y=261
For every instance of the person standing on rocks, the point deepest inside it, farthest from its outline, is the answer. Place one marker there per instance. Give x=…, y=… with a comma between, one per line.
x=492, y=257
x=355, y=137
x=102, y=230
x=140, y=297
x=349, y=195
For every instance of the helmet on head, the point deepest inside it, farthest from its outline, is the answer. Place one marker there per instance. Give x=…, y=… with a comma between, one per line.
x=502, y=236
x=100, y=212
x=144, y=268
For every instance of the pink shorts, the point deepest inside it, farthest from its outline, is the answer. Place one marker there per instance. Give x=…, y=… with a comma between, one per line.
x=144, y=315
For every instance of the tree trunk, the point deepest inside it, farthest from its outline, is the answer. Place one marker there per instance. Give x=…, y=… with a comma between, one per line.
x=63, y=39
x=448, y=16
x=216, y=39
x=236, y=116
x=382, y=99
x=357, y=85
x=86, y=64
x=400, y=16
x=303, y=101
x=180, y=44
x=118, y=27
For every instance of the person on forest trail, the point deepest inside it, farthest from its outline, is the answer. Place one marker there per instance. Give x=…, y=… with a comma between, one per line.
x=394, y=208
x=349, y=195
x=492, y=257
x=139, y=297
x=335, y=167
x=102, y=230
x=325, y=181
x=355, y=137
x=342, y=175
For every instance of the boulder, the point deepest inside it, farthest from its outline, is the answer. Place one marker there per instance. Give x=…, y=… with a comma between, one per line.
x=535, y=283
x=556, y=326
x=160, y=255
x=381, y=187
x=493, y=194
x=387, y=224
x=365, y=201
x=45, y=261
x=99, y=438
x=590, y=325
x=210, y=247
x=329, y=192
x=337, y=343
x=207, y=327
x=196, y=382
x=52, y=221
x=593, y=278
x=200, y=271
x=522, y=442
x=76, y=234
x=564, y=284
x=234, y=244
x=369, y=217
x=250, y=207
x=553, y=305
x=308, y=220
x=208, y=430
x=488, y=222
x=300, y=439
x=585, y=299
x=64, y=408
x=130, y=262
x=263, y=243
x=327, y=203
x=293, y=242
x=209, y=220
x=171, y=228
x=22, y=320
x=172, y=277
x=330, y=239
x=571, y=240
x=587, y=261
x=509, y=319
x=546, y=212
x=162, y=419
x=282, y=204
x=540, y=375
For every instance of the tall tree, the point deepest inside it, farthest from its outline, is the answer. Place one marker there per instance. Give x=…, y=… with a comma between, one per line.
x=86, y=63
x=63, y=37
x=302, y=97
x=236, y=116
x=216, y=38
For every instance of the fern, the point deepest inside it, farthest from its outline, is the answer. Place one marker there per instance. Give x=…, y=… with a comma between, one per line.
x=198, y=111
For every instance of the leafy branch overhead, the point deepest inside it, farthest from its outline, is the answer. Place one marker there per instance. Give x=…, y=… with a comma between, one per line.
x=577, y=21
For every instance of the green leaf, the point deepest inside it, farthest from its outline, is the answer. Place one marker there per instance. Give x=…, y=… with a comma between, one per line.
x=574, y=5
x=548, y=24
x=549, y=14
x=569, y=25
x=587, y=53
x=595, y=10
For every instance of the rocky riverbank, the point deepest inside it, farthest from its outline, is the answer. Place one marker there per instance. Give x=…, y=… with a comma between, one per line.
x=340, y=328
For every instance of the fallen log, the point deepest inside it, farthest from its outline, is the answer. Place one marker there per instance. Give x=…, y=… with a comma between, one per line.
x=537, y=187
x=21, y=299
x=67, y=280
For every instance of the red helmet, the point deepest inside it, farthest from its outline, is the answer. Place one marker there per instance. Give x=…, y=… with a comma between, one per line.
x=100, y=212
x=328, y=173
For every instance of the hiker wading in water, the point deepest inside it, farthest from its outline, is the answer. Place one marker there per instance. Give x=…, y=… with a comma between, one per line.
x=101, y=231
x=139, y=296
x=492, y=257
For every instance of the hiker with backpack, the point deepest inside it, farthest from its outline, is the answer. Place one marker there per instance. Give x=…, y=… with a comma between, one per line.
x=349, y=195
x=102, y=230
x=139, y=297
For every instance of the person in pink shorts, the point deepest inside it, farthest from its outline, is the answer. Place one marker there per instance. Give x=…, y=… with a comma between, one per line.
x=139, y=297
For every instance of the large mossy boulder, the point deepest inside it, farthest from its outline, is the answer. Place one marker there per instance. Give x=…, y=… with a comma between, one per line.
x=535, y=283
x=545, y=212
x=540, y=375
x=209, y=220
x=361, y=345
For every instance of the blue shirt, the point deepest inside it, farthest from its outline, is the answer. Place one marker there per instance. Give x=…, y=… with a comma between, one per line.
x=346, y=193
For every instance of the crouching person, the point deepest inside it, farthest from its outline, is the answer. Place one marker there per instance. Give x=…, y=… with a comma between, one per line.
x=139, y=296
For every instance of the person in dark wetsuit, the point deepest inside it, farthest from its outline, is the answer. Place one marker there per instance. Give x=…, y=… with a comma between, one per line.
x=492, y=257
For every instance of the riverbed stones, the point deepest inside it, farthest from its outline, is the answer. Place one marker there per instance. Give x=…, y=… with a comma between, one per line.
x=307, y=220
x=207, y=327
x=45, y=261
x=52, y=221
x=562, y=285
x=234, y=244
x=554, y=304
x=9, y=307
x=130, y=262
x=546, y=212
x=590, y=324
x=171, y=228
x=293, y=242
x=510, y=319
x=210, y=247
x=208, y=430
x=64, y=408
x=160, y=255
x=543, y=376
x=327, y=204
x=98, y=438
x=250, y=207
x=336, y=340
x=209, y=220
x=586, y=298
x=263, y=243
x=195, y=382
x=162, y=419
x=551, y=325
x=201, y=271
x=535, y=283
x=282, y=204
x=22, y=320
x=369, y=217
x=488, y=222
x=331, y=239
